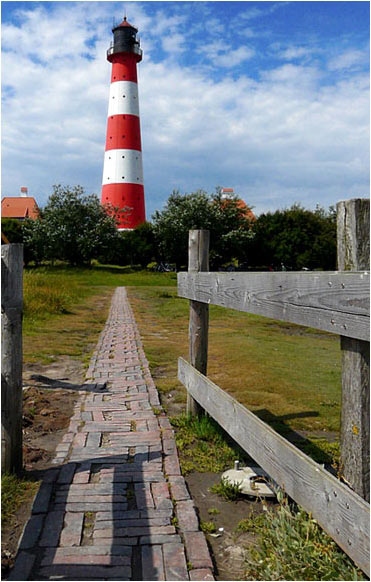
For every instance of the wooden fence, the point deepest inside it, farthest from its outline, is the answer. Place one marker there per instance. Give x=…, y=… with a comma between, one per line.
x=335, y=302
x=11, y=357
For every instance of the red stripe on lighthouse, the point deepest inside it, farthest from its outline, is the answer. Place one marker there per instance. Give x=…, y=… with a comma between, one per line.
x=123, y=132
x=124, y=68
x=123, y=196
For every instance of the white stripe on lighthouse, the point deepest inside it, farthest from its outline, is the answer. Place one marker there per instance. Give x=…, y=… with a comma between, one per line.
x=122, y=167
x=123, y=98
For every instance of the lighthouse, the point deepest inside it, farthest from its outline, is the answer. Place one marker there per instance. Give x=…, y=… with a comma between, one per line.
x=122, y=185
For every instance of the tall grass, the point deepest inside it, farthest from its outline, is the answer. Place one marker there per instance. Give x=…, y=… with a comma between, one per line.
x=292, y=546
x=49, y=291
x=45, y=295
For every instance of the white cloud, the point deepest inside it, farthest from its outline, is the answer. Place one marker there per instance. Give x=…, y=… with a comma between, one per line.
x=347, y=60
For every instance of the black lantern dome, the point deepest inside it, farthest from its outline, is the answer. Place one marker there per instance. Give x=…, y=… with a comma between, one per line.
x=124, y=40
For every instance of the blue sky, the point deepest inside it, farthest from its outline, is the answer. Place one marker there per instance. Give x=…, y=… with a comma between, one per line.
x=268, y=98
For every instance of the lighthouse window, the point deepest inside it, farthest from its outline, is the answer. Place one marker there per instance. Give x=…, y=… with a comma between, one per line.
x=123, y=177
x=123, y=156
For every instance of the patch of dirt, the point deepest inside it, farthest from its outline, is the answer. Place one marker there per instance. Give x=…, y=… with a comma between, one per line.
x=49, y=395
x=229, y=548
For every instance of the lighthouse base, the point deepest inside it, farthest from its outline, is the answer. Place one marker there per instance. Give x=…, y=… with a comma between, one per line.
x=129, y=200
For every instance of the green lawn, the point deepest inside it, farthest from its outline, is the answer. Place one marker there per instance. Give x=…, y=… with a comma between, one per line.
x=287, y=374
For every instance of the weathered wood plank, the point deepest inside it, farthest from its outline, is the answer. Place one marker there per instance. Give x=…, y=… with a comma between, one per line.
x=11, y=356
x=198, y=260
x=339, y=510
x=334, y=302
x=353, y=242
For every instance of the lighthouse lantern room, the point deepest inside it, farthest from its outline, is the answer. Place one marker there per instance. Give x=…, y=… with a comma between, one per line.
x=122, y=185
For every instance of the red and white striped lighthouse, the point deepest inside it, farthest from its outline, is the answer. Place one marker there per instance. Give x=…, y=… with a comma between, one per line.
x=122, y=185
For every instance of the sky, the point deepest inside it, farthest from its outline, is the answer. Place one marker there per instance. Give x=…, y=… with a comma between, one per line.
x=268, y=98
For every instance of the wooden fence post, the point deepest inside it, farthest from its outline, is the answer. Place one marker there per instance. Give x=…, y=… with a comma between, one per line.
x=11, y=356
x=353, y=244
x=198, y=260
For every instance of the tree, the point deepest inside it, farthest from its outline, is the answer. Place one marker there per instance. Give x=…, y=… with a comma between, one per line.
x=296, y=238
x=132, y=247
x=12, y=228
x=229, y=225
x=73, y=227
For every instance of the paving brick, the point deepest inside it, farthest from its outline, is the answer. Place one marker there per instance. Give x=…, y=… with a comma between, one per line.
x=94, y=439
x=143, y=496
x=175, y=562
x=32, y=532
x=136, y=522
x=152, y=563
x=42, y=499
x=197, y=551
x=81, y=477
x=171, y=465
x=86, y=506
x=178, y=488
x=79, y=439
x=52, y=528
x=106, y=550
x=201, y=574
x=74, y=572
x=66, y=474
x=124, y=532
x=88, y=559
x=159, y=539
x=186, y=515
x=72, y=531
x=161, y=495
x=23, y=566
x=88, y=498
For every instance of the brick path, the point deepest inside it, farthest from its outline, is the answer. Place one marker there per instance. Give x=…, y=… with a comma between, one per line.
x=106, y=510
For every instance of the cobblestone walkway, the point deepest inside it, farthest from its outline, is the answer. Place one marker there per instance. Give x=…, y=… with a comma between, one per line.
x=115, y=506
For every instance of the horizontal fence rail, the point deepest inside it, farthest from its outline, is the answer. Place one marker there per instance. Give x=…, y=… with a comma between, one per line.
x=343, y=514
x=335, y=302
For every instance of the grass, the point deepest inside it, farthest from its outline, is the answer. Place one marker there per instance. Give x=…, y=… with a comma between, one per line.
x=292, y=546
x=265, y=364
x=15, y=491
x=65, y=308
x=202, y=446
x=227, y=490
x=290, y=376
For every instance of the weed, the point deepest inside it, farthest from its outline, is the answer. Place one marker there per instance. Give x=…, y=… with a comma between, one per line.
x=156, y=411
x=32, y=411
x=201, y=445
x=213, y=511
x=208, y=527
x=15, y=491
x=302, y=550
x=253, y=523
x=229, y=491
x=174, y=521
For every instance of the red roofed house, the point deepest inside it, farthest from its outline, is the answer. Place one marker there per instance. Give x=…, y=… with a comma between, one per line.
x=19, y=207
x=228, y=193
